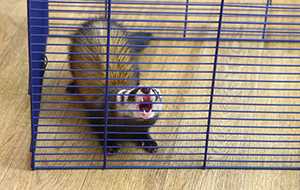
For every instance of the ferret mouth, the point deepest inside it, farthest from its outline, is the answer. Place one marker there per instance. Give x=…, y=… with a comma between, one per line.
x=146, y=105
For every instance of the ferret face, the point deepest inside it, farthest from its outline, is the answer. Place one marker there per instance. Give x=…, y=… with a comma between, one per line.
x=141, y=103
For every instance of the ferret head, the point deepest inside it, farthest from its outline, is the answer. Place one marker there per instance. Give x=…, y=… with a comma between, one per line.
x=140, y=103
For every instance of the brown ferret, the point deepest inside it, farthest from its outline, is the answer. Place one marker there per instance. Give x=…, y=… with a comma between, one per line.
x=132, y=108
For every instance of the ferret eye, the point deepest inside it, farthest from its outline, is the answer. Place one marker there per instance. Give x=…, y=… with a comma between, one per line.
x=131, y=98
x=131, y=95
x=123, y=96
x=156, y=94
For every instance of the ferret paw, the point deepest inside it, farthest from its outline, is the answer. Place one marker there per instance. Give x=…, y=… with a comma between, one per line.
x=71, y=89
x=113, y=150
x=150, y=146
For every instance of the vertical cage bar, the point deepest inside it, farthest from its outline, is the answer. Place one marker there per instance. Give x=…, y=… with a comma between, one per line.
x=106, y=105
x=105, y=9
x=29, y=83
x=216, y=56
x=37, y=16
x=186, y=17
x=29, y=49
x=269, y=2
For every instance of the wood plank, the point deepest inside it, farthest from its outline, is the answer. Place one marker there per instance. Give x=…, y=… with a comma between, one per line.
x=15, y=170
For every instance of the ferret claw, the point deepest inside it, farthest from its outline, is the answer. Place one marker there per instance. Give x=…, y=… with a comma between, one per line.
x=150, y=146
x=113, y=150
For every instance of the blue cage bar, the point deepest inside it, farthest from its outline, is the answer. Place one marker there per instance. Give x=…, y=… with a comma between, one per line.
x=228, y=71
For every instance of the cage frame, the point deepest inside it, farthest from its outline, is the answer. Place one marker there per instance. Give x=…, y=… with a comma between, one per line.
x=38, y=14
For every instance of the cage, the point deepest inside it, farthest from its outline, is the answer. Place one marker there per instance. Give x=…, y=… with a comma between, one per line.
x=228, y=71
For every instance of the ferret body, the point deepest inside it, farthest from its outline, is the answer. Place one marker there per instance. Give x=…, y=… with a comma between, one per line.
x=132, y=108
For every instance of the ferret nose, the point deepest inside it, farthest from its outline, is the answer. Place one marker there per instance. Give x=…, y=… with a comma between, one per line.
x=145, y=90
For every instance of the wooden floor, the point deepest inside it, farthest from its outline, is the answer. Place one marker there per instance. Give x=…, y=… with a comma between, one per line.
x=15, y=129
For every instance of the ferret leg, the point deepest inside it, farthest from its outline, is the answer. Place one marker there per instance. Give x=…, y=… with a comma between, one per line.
x=71, y=89
x=111, y=143
x=148, y=143
x=112, y=149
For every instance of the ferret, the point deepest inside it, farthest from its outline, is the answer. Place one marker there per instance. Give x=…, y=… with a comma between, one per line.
x=133, y=110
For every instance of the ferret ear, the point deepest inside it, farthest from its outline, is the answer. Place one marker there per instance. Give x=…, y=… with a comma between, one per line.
x=140, y=40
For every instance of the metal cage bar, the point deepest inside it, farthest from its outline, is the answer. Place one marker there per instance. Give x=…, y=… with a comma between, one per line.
x=33, y=19
x=213, y=81
x=106, y=103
